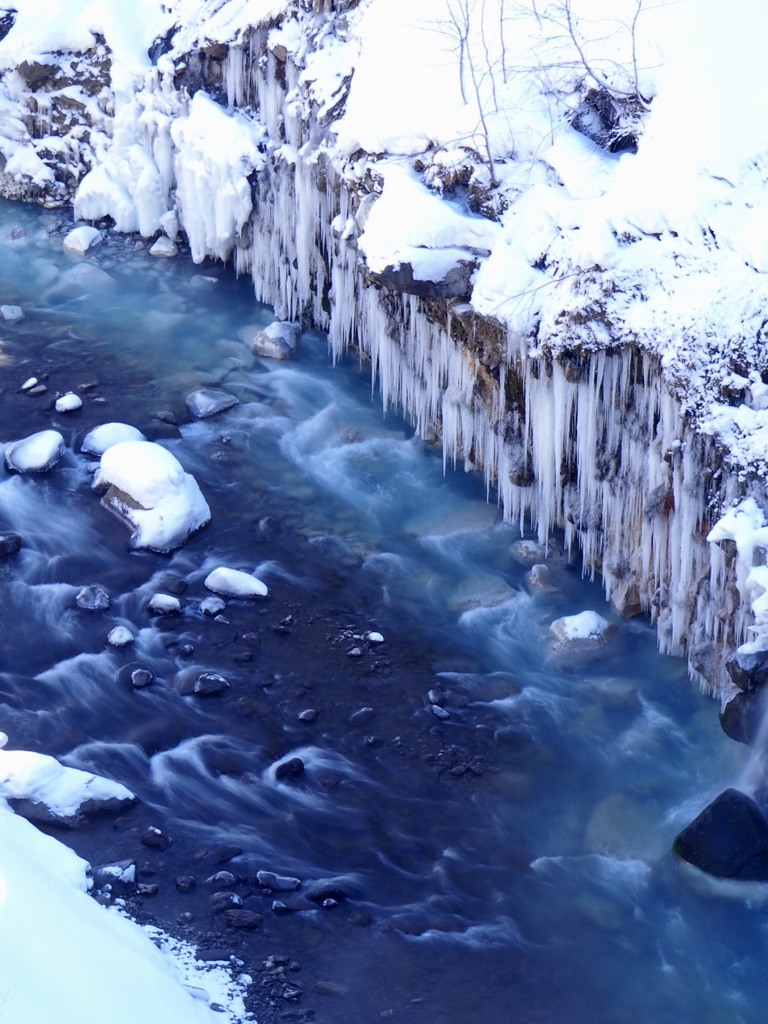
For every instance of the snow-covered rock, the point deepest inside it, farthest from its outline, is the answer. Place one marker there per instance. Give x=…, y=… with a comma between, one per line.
x=35, y=454
x=82, y=240
x=164, y=604
x=43, y=790
x=235, y=583
x=584, y=626
x=279, y=340
x=68, y=403
x=120, y=636
x=580, y=636
x=151, y=493
x=207, y=402
x=97, y=441
x=164, y=248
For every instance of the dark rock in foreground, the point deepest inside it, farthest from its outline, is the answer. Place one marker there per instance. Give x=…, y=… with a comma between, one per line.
x=729, y=839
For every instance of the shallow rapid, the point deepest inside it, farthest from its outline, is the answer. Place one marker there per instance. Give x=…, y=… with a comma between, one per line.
x=487, y=821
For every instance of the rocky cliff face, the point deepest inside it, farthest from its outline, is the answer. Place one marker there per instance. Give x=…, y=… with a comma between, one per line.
x=225, y=142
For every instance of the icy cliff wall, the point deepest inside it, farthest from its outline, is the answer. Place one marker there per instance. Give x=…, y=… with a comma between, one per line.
x=533, y=262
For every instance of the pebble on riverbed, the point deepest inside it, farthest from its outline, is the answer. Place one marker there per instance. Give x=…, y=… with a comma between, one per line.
x=208, y=684
x=68, y=403
x=155, y=838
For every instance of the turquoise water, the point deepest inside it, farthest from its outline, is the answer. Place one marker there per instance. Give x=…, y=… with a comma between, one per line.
x=504, y=860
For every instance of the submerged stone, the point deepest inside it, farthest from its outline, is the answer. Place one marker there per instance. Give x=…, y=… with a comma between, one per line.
x=209, y=401
x=92, y=599
x=10, y=543
x=729, y=839
x=277, y=883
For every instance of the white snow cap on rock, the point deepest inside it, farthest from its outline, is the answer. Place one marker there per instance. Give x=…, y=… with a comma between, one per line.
x=164, y=247
x=62, y=791
x=280, y=340
x=69, y=402
x=81, y=240
x=97, y=441
x=151, y=493
x=36, y=453
x=235, y=583
x=584, y=626
x=120, y=636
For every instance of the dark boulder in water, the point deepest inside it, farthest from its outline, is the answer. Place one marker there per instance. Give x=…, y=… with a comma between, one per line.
x=748, y=669
x=9, y=543
x=289, y=769
x=729, y=839
x=741, y=718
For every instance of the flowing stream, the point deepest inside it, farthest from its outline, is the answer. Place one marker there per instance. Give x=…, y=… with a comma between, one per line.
x=497, y=817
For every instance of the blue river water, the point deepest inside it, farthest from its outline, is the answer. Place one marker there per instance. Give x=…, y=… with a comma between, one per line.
x=498, y=815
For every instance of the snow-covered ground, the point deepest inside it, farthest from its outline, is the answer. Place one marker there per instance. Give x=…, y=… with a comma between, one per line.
x=461, y=109
x=64, y=957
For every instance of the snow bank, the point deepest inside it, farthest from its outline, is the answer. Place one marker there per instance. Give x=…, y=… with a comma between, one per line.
x=66, y=958
x=150, y=491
